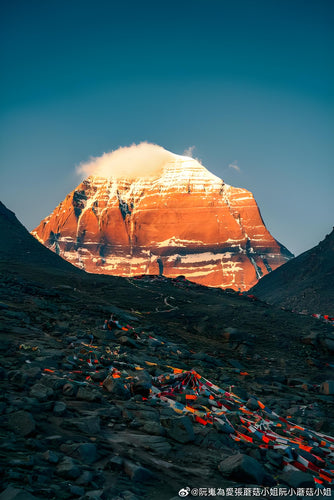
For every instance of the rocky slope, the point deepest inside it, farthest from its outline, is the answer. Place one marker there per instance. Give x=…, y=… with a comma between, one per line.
x=18, y=246
x=76, y=418
x=181, y=221
x=305, y=284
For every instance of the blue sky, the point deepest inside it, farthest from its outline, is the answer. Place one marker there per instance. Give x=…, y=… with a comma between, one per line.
x=248, y=83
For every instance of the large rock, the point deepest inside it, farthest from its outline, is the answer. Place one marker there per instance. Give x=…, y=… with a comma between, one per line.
x=117, y=388
x=68, y=468
x=12, y=493
x=88, y=425
x=182, y=220
x=179, y=428
x=41, y=392
x=59, y=408
x=327, y=387
x=137, y=473
x=141, y=383
x=234, y=335
x=327, y=342
x=22, y=423
x=298, y=479
x=242, y=468
x=51, y=457
x=88, y=452
x=88, y=394
x=157, y=444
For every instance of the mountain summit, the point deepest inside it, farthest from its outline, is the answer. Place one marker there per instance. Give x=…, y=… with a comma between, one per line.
x=179, y=219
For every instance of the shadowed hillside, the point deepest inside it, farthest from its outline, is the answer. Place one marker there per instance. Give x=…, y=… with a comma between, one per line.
x=18, y=246
x=304, y=284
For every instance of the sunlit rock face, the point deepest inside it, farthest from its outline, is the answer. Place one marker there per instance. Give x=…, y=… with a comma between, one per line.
x=181, y=221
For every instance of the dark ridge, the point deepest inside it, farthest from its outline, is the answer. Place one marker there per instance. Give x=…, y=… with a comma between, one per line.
x=18, y=246
x=305, y=283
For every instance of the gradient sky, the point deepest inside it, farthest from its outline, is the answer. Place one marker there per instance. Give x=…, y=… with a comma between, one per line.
x=248, y=83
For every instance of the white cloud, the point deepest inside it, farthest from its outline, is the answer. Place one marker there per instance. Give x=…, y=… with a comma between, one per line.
x=189, y=151
x=144, y=160
x=234, y=165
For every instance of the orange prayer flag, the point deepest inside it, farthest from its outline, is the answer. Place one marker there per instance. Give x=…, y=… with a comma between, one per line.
x=200, y=420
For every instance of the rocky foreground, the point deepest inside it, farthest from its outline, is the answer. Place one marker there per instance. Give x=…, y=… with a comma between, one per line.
x=93, y=413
